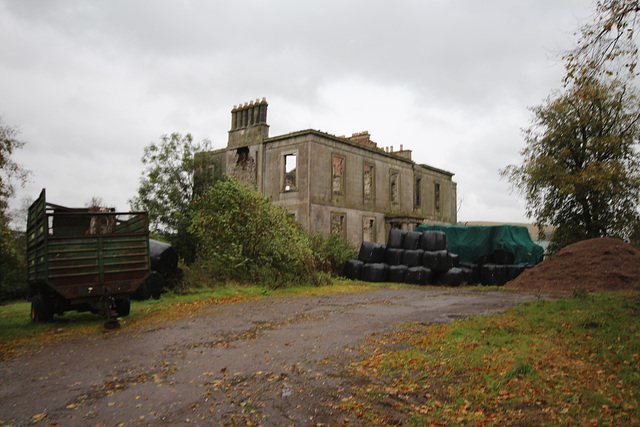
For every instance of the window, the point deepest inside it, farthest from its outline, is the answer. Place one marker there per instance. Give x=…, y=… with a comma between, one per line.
x=337, y=174
x=338, y=224
x=368, y=229
x=368, y=181
x=289, y=172
x=436, y=197
x=418, y=194
x=394, y=183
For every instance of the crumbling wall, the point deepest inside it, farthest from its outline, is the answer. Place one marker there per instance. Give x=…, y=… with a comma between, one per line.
x=241, y=164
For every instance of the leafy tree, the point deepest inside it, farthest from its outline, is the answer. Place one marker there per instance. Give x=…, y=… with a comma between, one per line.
x=11, y=173
x=580, y=169
x=243, y=236
x=12, y=264
x=167, y=188
x=607, y=45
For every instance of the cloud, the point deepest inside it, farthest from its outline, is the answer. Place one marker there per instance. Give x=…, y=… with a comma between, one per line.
x=92, y=83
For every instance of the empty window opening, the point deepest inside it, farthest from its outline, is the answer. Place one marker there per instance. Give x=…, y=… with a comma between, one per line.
x=436, y=197
x=289, y=172
x=394, y=182
x=418, y=193
x=368, y=229
x=338, y=224
x=337, y=174
x=368, y=182
x=242, y=156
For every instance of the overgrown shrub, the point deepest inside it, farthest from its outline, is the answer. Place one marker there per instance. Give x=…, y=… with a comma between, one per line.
x=331, y=252
x=243, y=237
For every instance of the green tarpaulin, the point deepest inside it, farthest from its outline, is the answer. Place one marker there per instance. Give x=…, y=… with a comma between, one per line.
x=473, y=242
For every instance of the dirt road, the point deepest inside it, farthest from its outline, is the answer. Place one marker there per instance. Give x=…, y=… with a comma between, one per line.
x=279, y=361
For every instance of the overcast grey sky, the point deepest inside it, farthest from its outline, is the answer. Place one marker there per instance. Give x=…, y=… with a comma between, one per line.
x=91, y=83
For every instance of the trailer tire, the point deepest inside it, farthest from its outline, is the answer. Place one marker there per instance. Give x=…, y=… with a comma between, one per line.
x=123, y=306
x=41, y=309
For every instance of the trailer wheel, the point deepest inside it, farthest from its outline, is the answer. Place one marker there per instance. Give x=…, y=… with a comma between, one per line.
x=41, y=309
x=123, y=306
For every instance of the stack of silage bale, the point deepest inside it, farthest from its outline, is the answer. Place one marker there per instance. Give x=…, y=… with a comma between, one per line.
x=409, y=257
x=496, y=269
x=491, y=255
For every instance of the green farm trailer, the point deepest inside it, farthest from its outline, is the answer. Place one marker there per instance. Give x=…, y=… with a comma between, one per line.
x=84, y=259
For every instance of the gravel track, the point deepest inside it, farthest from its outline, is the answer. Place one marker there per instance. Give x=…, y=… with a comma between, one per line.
x=278, y=361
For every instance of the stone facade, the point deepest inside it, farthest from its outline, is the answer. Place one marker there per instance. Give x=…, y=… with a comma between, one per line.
x=343, y=185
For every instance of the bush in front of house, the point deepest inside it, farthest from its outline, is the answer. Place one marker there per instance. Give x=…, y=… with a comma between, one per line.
x=331, y=252
x=243, y=237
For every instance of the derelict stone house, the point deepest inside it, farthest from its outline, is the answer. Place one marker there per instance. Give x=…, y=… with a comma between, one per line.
x=343, y=185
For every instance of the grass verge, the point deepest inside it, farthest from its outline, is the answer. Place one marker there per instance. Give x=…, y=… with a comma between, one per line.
x=566, y=362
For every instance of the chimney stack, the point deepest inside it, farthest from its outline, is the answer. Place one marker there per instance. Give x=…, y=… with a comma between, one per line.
x=250, y=114
x=248, y=123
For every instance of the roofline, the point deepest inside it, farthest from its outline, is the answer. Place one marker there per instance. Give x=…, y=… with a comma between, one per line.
x=356, y=145
x=434, y=169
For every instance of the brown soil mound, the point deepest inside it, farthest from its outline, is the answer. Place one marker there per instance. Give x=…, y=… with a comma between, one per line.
x=595, y=265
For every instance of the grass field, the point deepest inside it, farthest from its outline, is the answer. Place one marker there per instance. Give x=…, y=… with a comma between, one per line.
x=567, y=362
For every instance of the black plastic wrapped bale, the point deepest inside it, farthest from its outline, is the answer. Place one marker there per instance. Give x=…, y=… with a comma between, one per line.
x=502, y=257
x=371, y=252
x=418, y=275
x=374, y=272
x=455, y=260
x=453, y=277
x=163, y=257
x=483, y=259
x=412, y=240
x=397, y=273
x=396, y=238
x=412, y=258
x=433, y=240
x=393, y=256
x=353, y=269
x=514, y=270
x=437, y=261
x=151, y=287
x=476, y=273
x=494, y=275
x=467, y=275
